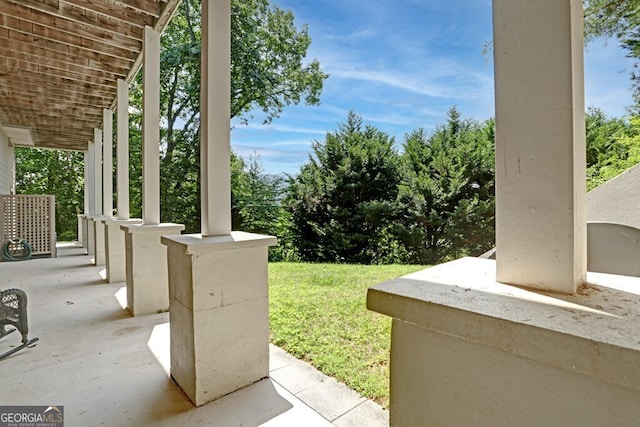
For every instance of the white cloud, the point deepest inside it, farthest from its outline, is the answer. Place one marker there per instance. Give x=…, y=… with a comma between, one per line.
x=277, y=127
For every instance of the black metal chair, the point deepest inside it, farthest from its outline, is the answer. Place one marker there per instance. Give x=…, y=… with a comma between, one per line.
x=13, y=312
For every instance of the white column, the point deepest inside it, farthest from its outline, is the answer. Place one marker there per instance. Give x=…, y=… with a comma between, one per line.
x=82, y=218
x=107, y=168
x=91, y=193
x=91, y=177
x=122, y=157
x=97, y=139
x=86, y=180
x=215, y=113
x=151, y=128
x=540, y=144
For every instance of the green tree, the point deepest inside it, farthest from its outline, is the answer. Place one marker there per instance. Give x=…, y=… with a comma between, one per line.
x=342, y=203
x=447, y=192
x=257, y=205
x=57, y=172
x=613, y=146
x=268, y=72
x=612, y=18
x=268, y=69
x=619, y=19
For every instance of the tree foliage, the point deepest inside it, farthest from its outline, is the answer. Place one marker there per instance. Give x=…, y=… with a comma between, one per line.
x=357, y=200
x=256, y=197
x=619, y=19
x=447, y=195
x=257, y=205
x=613, y=146
x=268, y=69
x=342, y=202
x=612, y=18
x=57, y=172
x=268, y=72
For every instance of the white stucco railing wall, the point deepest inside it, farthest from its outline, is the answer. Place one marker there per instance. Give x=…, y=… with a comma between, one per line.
x=613, y=248
x=530, y=339
x=617, y=200
x=467, y=350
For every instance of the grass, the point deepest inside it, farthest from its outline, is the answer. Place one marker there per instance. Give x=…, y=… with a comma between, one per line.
x=318, y=313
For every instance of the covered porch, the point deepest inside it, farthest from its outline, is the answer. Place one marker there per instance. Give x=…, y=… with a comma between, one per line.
x=109, y=368
x=66, y=69
x=518, y=346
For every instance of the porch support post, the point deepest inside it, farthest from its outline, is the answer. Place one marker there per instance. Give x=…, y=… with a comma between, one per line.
x=97, y=171
x=82, y=218
x=218, y=344
x=107, y=185
x=215, y=110
x=107, y=168
x=122, y=158
x=98, y=228
x=90, y=183
x=151, y=128
x=146, y=257
x=91, y=178
x=540, y=144
x=87, y=170
x=116, y=260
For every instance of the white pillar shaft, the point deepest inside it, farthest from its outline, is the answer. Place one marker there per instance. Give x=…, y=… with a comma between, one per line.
x=151, y=128
x=107, y=168
x=86, y=180
x=122, y=156
x=215, y=112
x=97, y=139
x=91, y=177
x=540, y=144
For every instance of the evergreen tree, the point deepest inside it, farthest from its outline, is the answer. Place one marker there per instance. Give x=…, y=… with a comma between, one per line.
x=447, y=192
x=342, y=203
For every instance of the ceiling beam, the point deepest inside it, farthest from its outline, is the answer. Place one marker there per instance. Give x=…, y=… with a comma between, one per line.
x=36, y=16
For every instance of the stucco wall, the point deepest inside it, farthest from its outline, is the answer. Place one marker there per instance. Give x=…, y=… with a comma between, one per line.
x=469, y=351
x=7, y=165
x=439, y=380
x=617, y=200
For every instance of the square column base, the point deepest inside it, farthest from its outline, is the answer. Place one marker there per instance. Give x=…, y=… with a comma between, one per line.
x=467, y=350
x=98, y=242
x=219, y=305
x=115, y=253
x=82, y=233
x=90, y=236
x=147, y=281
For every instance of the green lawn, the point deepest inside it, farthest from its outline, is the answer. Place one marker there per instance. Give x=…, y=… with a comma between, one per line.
x=318, y=313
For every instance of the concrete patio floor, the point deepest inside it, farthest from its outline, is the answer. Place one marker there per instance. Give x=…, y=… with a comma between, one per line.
x=108, y=368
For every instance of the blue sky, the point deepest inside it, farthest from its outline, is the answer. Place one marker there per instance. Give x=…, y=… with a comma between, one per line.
x=400, y=65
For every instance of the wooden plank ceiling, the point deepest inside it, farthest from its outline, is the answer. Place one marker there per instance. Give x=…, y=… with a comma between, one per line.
x=60, y=60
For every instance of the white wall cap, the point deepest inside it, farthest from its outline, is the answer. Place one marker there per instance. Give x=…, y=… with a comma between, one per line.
x=116, y=221
x=152, y=228
x=595, y=332
x=198, y=244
